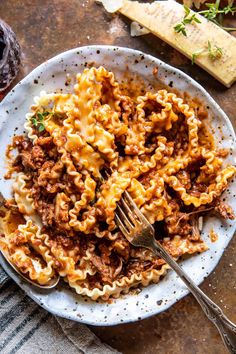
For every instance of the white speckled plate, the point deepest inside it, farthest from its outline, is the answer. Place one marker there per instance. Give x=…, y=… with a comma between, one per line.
x=154, y=299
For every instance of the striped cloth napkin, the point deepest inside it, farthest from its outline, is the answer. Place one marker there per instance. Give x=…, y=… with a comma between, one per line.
x=27, y=328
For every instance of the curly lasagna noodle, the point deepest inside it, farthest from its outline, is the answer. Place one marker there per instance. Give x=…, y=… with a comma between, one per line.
x=61, y=220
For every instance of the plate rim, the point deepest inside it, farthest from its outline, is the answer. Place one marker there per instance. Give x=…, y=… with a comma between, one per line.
x=207, y=96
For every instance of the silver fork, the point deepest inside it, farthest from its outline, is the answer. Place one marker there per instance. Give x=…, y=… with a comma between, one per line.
x=140, y=233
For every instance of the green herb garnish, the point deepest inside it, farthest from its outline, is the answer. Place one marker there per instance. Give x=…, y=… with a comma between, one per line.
x=38, y=121
x=213, y=13
x=213, y=10
x=180, y=27
x=214, y=52
x=196, y=54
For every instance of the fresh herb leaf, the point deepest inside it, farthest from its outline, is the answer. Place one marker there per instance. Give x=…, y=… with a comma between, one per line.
x=196, y=54
x=186, y=21
x=196, y=19
x=214, y=14
x=41, y=127
x=34, y=121
x=187, y=10
x=46, y=113
x=214, y=52
x=40, y=117
x=229, y=10
x=212, y=11
x=209, y=46
x=38, y=121
x=180, y=27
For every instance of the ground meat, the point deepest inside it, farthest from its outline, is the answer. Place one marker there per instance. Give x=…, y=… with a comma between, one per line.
x=195, y=233
x=182, y=224
x=46, y=211
x=127, y=108
x=17, y=162
x=21, y=143
x=108, y=264
x=184, y=178
x=223, y=153
x=178, y=224
x=66, y=242
x=104, y=270
x=105, y=251
x=37, y=154
x=135, y=266
x=42, y=140
x=18, y=239
x=32, y=159
x=122, y=247
x=197, y=189
x=62, y=208
x=180, y=138
x=225, y=210
x=27, y=161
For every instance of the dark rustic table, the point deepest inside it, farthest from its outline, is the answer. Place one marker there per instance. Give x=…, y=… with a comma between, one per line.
x=48, y=27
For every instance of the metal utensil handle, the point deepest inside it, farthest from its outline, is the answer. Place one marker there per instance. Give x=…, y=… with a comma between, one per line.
x=226, y=328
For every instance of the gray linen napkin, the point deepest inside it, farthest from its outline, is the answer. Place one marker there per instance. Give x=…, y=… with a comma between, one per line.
x=27, y=328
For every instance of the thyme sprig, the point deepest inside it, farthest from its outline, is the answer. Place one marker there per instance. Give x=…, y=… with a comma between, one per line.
x=213, y=10
x=38, y=121
x=196, y=54
x=180, y=27
x=212, y=13
x=214, y=52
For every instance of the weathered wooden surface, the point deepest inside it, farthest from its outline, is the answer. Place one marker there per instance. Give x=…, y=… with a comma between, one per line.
x=48, y=27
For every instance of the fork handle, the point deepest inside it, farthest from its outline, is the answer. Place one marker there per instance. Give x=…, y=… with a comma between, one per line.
x=226, y=328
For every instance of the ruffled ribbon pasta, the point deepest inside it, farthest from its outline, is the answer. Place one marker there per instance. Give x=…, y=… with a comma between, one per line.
x=155, y=146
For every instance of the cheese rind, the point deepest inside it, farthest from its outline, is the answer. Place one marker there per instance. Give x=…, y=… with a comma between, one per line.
x=160, y=17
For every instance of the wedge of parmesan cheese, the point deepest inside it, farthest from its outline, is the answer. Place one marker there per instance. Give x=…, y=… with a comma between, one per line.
x=160, y=17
